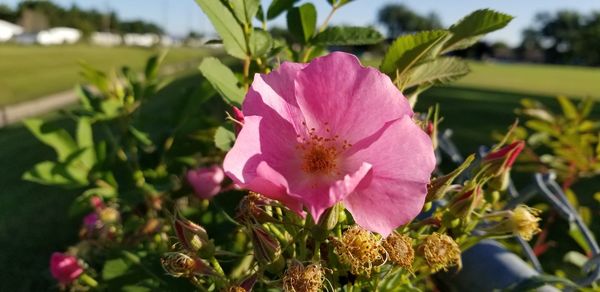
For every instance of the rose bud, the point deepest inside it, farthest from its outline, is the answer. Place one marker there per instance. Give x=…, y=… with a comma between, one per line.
x=501, y=160
x=192, y=236
x=438, y=186
x=466, y=200
x=267, y=249
x=65, y=268
x=238, y=117
x=206, y=181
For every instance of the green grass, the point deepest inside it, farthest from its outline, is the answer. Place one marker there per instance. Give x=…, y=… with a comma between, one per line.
x=534, y=79
x=547, y=80
x=29, y=72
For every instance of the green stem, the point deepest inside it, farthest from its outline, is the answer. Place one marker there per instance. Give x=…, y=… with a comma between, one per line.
x=85, y=278
x=217, y=266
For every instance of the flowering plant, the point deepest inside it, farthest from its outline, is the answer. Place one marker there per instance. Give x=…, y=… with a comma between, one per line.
x=329, y=178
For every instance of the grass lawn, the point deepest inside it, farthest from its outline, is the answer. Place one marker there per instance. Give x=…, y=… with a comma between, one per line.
x=547, y=80
x=534, y=79
x=28, y=72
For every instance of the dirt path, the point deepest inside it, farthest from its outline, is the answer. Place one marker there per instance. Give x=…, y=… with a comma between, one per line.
x=10, y=114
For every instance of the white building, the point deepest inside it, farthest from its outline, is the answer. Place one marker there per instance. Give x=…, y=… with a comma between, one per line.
x=52, y=36
x=106, y=39
x=9, y=30
x=58, y=36
x=141, y=40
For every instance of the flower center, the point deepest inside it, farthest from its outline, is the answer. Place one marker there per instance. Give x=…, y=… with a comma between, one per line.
x=319, y=159
x=320, y=154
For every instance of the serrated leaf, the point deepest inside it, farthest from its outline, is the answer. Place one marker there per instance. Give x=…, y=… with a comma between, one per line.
x=279, y=6
x=472, y=27
x=224, y=138
x=55, y=137
x=245, y=10
x=347, y=35
x=260, y=43
x=302, y=21
x=223, y=80
x=437, y=71
x=225, y=24
x=407, y=50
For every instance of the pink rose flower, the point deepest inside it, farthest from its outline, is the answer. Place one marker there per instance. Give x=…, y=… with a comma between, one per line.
x=64, y=268
x=332, y=130
x=206, y=181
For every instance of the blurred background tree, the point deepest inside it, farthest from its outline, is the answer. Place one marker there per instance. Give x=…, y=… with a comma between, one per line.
x=399, y=19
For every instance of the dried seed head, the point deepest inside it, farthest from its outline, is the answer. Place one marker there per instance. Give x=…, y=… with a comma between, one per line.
x=441, y=252
x=361, y=250
x=524, y=221
x=178, y=264
x=253, y=208
x=299, y=278
x=235, y=289
x=399, y=249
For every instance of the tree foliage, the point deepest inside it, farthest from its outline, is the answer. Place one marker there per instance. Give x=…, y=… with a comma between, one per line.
x=399, y=19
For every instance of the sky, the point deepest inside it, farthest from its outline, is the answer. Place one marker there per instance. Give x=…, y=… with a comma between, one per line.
x=181, y=16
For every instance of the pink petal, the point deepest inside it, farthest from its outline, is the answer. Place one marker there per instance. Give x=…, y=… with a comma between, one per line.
x=273, y=93
x=354, y=100
x=399, y=150
x=394, y=193
x=261, y=145
x=386, y=204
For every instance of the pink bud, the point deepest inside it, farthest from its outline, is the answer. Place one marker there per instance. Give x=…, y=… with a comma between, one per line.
x=64, y=268
x=206, y=181
x=97, y=203
x=503, y=159
x=91, y=221
x=238, y=115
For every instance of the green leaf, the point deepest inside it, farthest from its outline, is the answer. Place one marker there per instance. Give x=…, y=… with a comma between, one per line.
x=115, y=268
x=222, y=80
x=472, y=27
x=140, y=136
x=245, y=10
x=338, y=3
x=407, y=50
x=260, y=43
x=302, y=21
x=224, y=138
x=85, y=141
x=347, y=35
x=152, y=66
x=279, y=6
x=55, y=137
x=437, y=71
x=59, y=174
x=568, y=108
x=227, y=27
